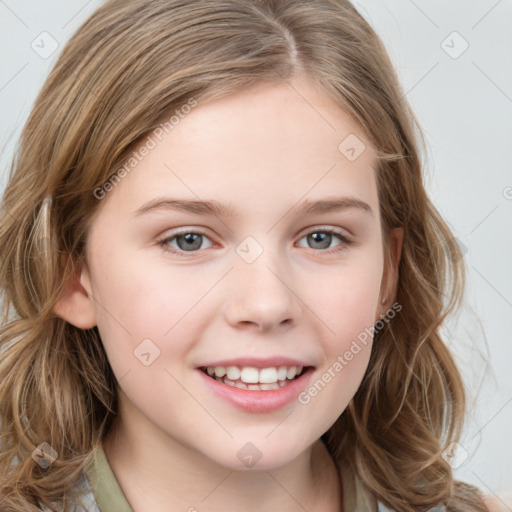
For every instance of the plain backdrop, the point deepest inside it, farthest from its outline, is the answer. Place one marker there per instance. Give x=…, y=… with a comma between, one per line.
x=454, y=60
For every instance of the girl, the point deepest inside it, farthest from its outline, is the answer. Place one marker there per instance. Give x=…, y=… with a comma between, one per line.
x=223, y=281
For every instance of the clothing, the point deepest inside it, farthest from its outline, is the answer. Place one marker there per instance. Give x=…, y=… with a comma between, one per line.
x=102, y=493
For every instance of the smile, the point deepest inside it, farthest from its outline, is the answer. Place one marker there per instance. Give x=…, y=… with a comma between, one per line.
x=256, y=390
x=254, y=379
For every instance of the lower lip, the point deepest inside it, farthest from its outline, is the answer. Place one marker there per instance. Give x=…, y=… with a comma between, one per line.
x=259, y=401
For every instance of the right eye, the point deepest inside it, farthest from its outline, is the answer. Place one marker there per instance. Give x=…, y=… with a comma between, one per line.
x=186, y=241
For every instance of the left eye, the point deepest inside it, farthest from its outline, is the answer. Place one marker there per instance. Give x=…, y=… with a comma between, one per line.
x=323, y=238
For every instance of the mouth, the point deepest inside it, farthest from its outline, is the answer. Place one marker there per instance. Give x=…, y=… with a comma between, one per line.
x=255, y=379
x=256, y=386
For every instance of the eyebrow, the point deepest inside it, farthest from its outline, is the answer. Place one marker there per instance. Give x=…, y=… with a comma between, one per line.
x=217, y=209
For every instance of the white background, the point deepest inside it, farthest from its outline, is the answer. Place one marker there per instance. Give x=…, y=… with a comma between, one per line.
x=464, y=105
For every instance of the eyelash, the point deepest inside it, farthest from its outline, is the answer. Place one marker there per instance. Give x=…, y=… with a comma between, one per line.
x=346, y=242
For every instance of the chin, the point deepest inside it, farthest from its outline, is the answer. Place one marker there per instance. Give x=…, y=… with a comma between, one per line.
x=257, y=454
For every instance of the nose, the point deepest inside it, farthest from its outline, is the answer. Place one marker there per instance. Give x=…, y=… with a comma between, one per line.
x=261, y=296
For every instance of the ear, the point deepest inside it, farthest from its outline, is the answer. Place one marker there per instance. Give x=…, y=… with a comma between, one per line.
x=76, y=304
x=389, y=283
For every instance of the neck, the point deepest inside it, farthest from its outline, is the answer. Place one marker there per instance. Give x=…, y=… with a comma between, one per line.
x=158, y=473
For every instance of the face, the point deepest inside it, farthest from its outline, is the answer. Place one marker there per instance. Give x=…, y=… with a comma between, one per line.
x=269, y=283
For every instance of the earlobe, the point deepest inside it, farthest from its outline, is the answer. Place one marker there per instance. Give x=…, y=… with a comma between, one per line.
x=76, y=304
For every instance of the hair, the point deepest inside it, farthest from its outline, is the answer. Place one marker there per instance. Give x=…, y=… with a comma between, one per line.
x=125, y=69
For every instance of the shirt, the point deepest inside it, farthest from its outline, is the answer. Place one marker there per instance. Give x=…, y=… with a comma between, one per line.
x=102, y=493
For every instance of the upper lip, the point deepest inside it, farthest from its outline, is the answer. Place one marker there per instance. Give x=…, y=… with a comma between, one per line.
x=267, y=362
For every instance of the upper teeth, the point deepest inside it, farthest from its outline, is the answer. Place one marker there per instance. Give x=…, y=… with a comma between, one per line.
x=252, y=375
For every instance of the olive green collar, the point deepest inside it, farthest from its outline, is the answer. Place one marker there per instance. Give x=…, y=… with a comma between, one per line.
x=110, y=497
x=106, y=490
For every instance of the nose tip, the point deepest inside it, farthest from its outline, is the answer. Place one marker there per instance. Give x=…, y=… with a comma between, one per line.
x=261, y=298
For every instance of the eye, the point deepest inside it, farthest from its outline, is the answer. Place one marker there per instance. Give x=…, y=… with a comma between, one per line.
x=322, y=238
x=191, y=241
x=186, y=241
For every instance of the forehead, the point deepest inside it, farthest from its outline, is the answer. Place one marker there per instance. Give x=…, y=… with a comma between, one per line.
x=273, y=144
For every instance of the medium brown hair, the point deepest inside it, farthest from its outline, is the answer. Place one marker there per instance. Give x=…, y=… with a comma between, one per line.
x=129, y=65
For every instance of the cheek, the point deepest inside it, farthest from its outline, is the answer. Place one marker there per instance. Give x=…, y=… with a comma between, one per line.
x=137, y=300
x=347, y=312
x=346, y=307
x=347, y=301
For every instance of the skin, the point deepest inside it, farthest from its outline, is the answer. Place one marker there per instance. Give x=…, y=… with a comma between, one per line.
x=174, y=444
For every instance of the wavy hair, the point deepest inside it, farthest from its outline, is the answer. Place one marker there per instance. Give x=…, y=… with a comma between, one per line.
x=127, y=67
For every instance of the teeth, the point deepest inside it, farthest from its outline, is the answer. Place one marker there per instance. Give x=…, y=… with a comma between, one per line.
x=268, y=375
x=291, y=372
x=249, y=377
x=282, y=372
x=232, y=372
x=253, y=387
x=269, y=387
x=220, y=371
